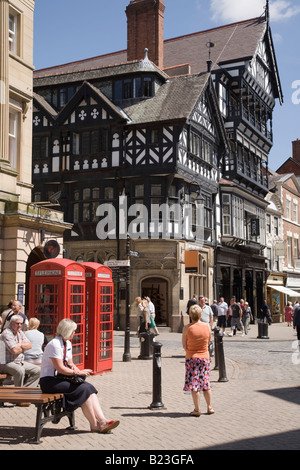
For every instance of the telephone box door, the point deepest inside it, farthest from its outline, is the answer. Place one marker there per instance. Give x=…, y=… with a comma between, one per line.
x=76, y=296
x=57, y=291
x=105, y=322
x=99, y=288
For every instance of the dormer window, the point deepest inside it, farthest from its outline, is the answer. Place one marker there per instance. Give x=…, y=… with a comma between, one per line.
x=132, y=88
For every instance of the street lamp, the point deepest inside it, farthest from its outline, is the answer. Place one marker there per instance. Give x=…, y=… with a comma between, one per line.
x=127, y=355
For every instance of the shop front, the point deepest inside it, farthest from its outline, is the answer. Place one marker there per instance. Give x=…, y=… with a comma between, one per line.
x=277, y=297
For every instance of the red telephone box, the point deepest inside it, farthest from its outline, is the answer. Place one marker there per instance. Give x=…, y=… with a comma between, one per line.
x=57, y=291
x=99, y=290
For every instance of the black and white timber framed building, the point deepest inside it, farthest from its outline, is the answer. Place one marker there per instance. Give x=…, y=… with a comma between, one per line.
x=191, y=137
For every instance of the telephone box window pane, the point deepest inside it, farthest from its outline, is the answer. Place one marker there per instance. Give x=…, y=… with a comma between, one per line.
x=46, y=300
x=106, y=325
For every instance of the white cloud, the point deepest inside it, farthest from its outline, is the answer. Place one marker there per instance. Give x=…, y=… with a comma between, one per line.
x=282, y=10
x=237, y=10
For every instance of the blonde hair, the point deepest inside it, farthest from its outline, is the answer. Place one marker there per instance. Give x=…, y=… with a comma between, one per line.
x=195, y=312
x=65, y=328
x=138, y=300
x=33, y=324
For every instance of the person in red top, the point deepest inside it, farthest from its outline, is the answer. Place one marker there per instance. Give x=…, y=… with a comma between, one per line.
x=195, y=341
x=288, y=311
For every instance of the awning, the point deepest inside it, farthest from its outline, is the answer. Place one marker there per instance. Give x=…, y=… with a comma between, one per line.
x=285, y=290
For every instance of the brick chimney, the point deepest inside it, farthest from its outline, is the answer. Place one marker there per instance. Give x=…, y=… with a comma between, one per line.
x=296, y=150
x=145, y=29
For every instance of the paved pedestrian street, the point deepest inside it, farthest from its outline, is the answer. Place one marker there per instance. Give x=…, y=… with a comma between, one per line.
x=257, y=408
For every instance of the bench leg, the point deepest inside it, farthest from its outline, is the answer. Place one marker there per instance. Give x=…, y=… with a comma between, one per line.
x=71, y=416
x=39, y=424
x=51, y=412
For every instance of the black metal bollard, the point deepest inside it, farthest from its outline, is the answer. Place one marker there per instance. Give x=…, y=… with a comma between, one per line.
x=156, y=392
x=221, y=358
x=262, y=330
x=146, y=343
x=216, y=332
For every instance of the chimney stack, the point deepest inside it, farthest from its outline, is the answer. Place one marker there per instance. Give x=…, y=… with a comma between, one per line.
x=296, y=150
x=145, y=30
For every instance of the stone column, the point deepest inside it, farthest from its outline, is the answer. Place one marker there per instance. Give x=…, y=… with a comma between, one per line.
x=4, y=84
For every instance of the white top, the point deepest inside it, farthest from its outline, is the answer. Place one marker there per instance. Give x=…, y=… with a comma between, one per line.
x=37, y=340
x=222, y=309
x=207, y=313
x=151, y=307
x=55, y=350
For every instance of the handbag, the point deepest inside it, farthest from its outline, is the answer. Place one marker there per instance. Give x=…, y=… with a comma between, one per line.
x=73, y=379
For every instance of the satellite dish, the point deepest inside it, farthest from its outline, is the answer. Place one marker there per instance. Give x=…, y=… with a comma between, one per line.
x=51, y=249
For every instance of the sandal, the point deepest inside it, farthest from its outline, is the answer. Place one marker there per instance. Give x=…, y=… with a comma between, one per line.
x=195, y=413
x=107, y=428
x=210, y=411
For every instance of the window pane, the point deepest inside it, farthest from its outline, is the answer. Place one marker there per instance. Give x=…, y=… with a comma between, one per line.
x=118, y=90
x=85, y=143
x=108, y=193
x=95, y=142
x=155, y=189
x=13, y=139
x=86, y=194
x=13, y=33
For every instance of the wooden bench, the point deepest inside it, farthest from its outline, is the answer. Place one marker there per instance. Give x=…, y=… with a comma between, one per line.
x=49, y=406
x=2, y=378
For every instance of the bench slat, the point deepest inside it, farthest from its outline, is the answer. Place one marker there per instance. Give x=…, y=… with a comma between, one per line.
x=32, y=395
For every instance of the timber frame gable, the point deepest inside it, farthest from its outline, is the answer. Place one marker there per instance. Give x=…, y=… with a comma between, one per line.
x=87, y=106
x=44, y=115
x=203, y=142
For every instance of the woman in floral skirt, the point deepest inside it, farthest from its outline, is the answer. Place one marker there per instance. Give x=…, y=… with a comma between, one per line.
x=195, y=341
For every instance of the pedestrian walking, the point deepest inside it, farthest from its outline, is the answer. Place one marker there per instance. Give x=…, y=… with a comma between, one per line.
x=152, y=315
x=195, y=341
x=140, y=310
x=145, y=319
x=214, y=308
x=16, y=307
x=222, y=314
x=288, y=313
x=246, y=316
x=207, y=315
x=236, y=320
x=192, y=301
x=265, y=313
x=296, y=323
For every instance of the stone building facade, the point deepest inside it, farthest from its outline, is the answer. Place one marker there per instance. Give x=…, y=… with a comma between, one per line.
x=24, y=227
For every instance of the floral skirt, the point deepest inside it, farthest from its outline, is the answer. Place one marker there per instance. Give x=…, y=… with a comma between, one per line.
x=197, y=375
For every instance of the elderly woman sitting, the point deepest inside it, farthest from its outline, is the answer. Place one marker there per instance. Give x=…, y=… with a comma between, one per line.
x=195, y=341
x=57, y=357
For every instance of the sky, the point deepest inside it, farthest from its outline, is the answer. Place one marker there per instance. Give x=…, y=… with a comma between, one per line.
x=65, y=31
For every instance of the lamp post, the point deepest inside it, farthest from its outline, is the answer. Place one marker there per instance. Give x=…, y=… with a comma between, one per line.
x=127, y=355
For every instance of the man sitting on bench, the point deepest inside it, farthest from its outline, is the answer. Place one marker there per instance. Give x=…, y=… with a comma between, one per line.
x=12, y=361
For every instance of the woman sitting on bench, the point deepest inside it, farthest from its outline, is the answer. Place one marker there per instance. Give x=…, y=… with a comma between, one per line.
x=57, y=358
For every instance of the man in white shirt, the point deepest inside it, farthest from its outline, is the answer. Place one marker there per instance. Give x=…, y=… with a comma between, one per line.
x=152, y=313
x=222, y=314
x=207, y=315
